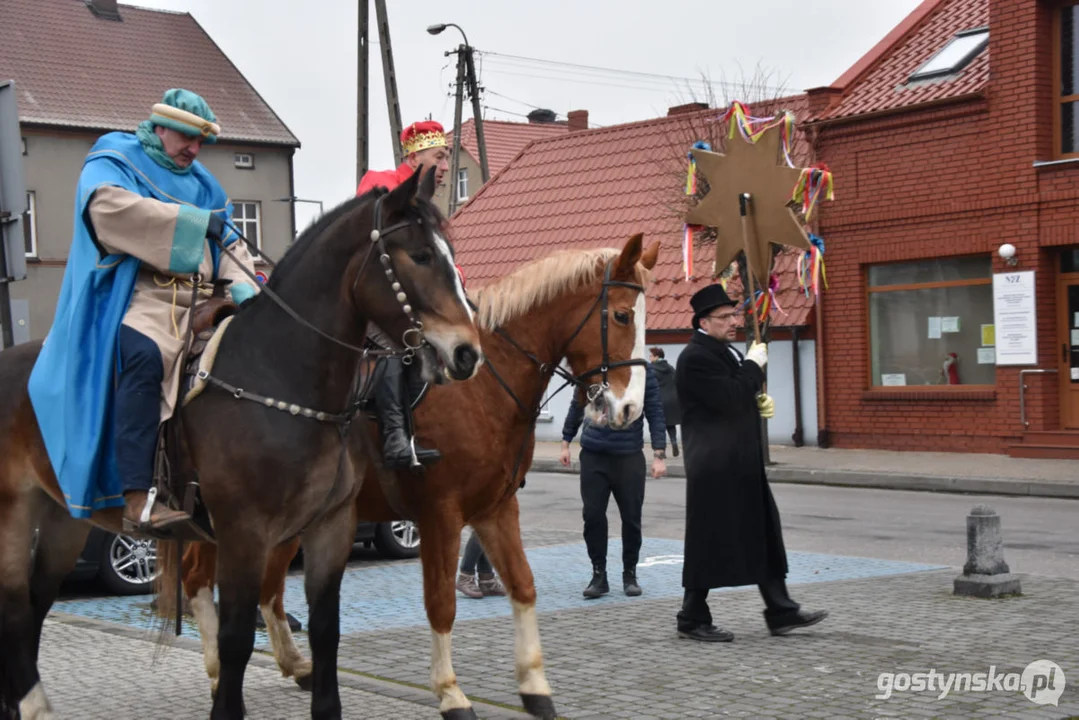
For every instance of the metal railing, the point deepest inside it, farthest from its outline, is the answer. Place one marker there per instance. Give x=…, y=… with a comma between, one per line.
x=1023, y=388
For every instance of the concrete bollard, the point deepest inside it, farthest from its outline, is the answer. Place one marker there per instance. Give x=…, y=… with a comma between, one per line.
x=985, y=574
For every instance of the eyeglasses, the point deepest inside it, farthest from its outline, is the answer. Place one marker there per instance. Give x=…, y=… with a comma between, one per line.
x=724, y=317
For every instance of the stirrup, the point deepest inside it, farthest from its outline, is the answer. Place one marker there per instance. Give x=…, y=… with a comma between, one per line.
x=415, y=464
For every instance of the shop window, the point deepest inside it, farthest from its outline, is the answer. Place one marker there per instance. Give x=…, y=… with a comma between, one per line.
x=931, y=323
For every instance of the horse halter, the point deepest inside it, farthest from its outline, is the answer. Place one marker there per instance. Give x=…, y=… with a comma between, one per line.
x=595, y=389
x=378, y=236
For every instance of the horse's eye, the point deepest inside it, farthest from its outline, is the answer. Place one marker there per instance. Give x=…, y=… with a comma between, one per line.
x=421, y=258
x=622, y=318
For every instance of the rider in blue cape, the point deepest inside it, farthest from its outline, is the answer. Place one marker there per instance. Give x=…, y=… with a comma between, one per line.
x=109, y=372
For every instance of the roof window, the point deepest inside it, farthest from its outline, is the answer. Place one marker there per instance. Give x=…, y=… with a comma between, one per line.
x=954, y=56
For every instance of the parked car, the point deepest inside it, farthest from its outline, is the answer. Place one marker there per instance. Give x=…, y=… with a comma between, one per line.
x=126, y=566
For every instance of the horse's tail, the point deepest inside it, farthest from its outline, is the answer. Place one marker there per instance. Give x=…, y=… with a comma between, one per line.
x=165, y=586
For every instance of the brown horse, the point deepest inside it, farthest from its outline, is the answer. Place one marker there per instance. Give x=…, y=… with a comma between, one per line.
x=584, y=307
x=267, y=476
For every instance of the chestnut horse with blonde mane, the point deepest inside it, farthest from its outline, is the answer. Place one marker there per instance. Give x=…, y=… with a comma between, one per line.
x=584, y=307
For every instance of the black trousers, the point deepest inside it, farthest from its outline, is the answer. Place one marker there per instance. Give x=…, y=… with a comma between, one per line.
x=695, y=612
x=603, y=475
x=137, y=412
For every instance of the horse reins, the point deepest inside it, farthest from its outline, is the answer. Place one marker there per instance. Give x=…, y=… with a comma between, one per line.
x=578, y=381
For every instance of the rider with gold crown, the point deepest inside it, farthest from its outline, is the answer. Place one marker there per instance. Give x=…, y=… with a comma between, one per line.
x=424, y=145
x=109, y=371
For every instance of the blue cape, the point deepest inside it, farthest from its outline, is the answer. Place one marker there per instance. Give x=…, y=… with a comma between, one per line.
x=71, y=386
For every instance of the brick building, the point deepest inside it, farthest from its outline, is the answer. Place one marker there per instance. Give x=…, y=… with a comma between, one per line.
x=957, y=134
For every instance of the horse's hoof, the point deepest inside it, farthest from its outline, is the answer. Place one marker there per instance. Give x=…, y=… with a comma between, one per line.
x=305, y=682
x=539, y=706
x=460, y=714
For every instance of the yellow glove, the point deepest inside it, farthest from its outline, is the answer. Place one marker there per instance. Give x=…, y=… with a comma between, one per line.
x=766, y=405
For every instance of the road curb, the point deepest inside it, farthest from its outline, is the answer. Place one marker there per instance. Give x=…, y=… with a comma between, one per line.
x=880, y=481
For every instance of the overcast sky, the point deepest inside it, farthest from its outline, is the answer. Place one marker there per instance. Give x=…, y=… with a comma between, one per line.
x=301, y=57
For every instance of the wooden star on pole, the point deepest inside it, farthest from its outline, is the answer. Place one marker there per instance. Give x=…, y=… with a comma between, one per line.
x=752, y=168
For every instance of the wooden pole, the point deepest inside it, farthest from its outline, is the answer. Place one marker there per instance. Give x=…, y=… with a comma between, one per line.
x=751, y=289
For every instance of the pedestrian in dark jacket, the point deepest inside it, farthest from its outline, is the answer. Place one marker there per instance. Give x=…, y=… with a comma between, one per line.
x=672, y=412
x=733, y=535
x=612, y=462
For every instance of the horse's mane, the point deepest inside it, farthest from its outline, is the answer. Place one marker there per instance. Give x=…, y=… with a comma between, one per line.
x=426, y=210
x=538, y=282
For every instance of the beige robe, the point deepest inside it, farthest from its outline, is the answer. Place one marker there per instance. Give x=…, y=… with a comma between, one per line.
x=128, y=224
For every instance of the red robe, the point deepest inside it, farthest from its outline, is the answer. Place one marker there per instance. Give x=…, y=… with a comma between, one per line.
x=388, y=179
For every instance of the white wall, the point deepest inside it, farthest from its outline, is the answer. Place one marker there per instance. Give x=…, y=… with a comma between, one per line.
x=780, y=387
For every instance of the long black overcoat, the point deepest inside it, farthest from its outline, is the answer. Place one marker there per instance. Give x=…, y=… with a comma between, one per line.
x=733, y=534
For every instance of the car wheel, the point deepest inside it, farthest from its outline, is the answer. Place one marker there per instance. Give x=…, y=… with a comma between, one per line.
x=128, y=566
x=398, y=539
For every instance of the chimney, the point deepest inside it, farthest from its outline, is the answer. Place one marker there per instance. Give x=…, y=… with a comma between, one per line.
x=578, y=120
x=104, y=9
x=822, y=99
x=687, y=108
x=541, y=115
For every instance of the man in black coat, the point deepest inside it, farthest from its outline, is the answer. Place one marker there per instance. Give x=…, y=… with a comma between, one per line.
x=733, y=535
x=672, y=413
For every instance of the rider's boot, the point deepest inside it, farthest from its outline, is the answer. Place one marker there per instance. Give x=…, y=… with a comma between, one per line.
x=399, y=451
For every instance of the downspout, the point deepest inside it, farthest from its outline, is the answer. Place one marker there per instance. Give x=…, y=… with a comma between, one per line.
x=291, y=194
x=798, y=436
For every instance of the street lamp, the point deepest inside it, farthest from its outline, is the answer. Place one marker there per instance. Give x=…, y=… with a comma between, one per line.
x=466, y=66
x=295, y=199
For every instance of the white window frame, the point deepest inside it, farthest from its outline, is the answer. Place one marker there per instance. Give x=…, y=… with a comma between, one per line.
x=241, y=223
x=932, y=68
x=244, y=161
x=462, y=175
x=31, y=213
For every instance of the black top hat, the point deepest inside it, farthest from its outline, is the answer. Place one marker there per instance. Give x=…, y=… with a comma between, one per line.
x=707, y=299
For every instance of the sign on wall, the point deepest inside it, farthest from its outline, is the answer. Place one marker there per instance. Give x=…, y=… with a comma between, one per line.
x=1015, y=318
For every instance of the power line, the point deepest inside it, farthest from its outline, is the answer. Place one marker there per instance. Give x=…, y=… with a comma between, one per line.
x=641, y=76
x=507, y=97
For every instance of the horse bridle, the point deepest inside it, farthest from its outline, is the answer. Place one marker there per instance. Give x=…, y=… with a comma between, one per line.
x=579, y=381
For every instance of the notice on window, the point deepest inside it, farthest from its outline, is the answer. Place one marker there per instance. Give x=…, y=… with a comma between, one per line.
x=1075, y=373
x=1015, y=318
x=1075, y=338
x=934, y=328
x=1075, y=323
x=893, y=379
x=987, y=356
x=949, y=324
x=989, y=337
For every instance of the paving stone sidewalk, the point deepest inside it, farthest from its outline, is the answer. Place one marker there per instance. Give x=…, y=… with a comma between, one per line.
x=944, y=472
x=620, y=658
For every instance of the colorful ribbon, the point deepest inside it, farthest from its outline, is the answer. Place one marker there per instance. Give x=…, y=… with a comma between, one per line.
x=812, y=184
x=811, y=271
x=752, y=128
x=688, y=230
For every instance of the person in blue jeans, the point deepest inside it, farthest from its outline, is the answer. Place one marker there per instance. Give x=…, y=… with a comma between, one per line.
x=612, y=463
x=477, y=578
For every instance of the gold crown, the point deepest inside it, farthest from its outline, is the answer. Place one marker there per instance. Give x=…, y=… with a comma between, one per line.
x=423, y=141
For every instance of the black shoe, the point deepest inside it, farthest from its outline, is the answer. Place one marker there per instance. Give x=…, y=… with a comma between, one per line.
x=674, y=449
x=629, y=583
x=706, y=633
x=397, y=451
x=598, y=586
x=792, y=621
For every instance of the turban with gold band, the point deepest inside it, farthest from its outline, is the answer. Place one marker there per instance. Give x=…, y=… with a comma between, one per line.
x=186, y=112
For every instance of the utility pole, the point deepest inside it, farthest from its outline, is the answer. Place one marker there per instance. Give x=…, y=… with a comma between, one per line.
x=12, y=202
x=477, y=116
x=389, y=74
x=362, y=100
x=457, y=130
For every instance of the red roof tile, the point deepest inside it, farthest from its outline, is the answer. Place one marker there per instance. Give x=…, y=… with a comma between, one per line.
x=596, y=188
x=74, y=69
x=880, y=81
x=504, y=139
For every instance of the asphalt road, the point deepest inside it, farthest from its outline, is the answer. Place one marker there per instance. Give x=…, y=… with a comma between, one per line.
x=1041, y=535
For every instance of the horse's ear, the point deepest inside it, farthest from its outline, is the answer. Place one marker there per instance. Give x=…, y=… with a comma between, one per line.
x=402, y=195
x=427, y=184
x=631, y=255
x=649, y=256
